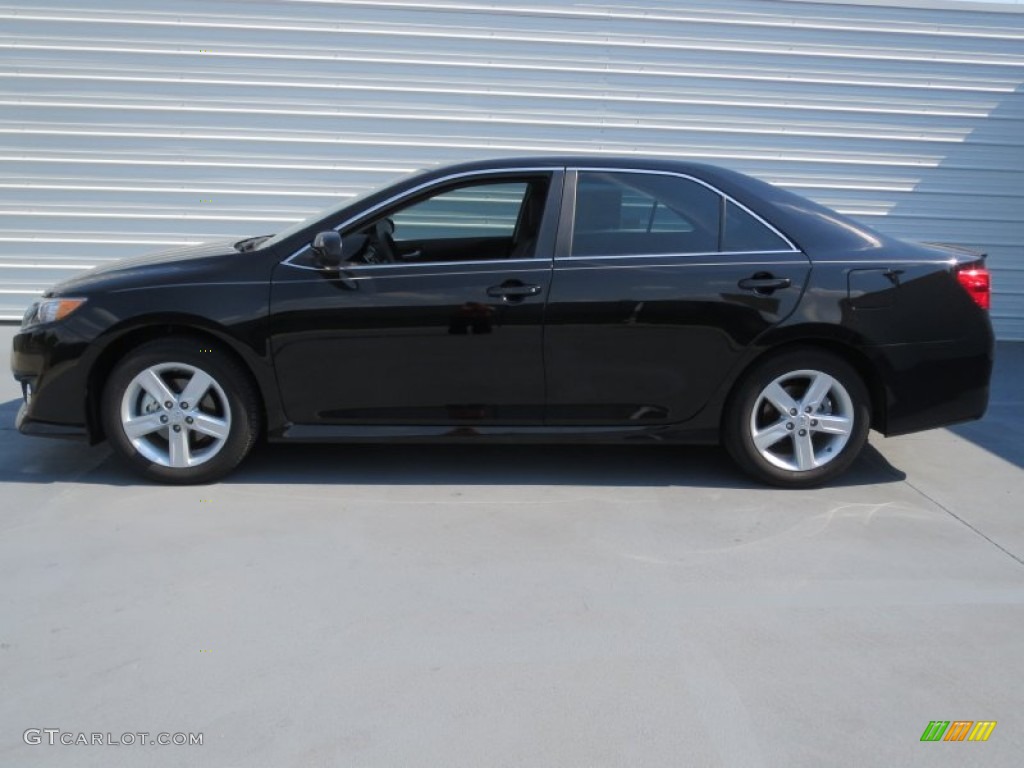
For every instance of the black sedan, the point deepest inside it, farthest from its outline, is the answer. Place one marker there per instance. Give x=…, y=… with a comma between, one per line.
x=570, y=299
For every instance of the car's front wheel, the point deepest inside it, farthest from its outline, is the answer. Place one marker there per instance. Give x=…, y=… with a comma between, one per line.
x=180, y=412
x=798, y=419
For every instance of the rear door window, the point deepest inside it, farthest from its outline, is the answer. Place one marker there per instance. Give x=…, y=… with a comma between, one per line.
x=634, y=214
x=744, y=233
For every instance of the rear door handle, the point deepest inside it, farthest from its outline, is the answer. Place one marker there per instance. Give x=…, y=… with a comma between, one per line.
x=512, y=290
x=764, y=283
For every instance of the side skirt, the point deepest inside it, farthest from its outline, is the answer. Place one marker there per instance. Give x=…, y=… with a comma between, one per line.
x=316, y=433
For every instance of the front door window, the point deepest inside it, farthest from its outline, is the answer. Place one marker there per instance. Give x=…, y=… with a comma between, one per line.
x=481, y=221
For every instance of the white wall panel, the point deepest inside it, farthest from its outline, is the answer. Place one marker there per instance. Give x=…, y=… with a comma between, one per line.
x=127, y=126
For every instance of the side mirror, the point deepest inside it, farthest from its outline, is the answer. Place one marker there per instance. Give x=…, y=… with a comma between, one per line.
x=327, y=249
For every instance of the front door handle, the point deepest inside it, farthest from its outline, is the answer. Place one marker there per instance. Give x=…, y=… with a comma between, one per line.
x=513, y=290
x=764, y=282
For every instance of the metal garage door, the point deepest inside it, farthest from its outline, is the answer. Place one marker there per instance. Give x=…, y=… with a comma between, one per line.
x=128, y=126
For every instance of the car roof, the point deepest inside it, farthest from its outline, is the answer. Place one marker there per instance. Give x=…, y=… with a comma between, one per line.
x=639, y=162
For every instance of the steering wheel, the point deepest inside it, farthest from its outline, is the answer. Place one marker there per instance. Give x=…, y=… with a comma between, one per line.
x=382, y=249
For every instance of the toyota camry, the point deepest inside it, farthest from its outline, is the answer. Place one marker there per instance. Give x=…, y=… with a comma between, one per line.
x=572, y=299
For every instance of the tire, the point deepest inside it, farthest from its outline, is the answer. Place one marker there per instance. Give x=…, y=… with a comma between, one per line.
x=168, y=438
x=806, y=448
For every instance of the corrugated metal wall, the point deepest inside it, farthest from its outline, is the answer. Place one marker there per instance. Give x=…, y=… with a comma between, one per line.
x=127, y=126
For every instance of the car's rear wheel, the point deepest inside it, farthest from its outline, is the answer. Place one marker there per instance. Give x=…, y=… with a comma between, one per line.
x=180, y=412
x=798, y=419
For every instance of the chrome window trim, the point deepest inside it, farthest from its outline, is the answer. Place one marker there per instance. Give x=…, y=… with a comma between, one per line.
x=699, y=254
x=360, y=272
x=385, y=276
x=542, y=169
x=543, y=265
x=679, y=265
x=712, y=187
x=415, y=190
x=356, y=271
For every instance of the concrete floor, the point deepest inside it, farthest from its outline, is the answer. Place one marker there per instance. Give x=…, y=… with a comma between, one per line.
x=499, y=606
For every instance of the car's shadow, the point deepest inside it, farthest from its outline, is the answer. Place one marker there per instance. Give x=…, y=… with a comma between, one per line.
x=36, y=460
x=585, y=465
x=1001, y=432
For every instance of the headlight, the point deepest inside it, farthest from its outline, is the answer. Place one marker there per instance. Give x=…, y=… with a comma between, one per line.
x=30, y=315
x=51, y=310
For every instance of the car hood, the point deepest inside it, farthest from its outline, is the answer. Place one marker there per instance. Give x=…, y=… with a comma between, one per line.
x=162, y=264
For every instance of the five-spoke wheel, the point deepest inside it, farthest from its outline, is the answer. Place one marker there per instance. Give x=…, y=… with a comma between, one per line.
x=798, y=419
x=180, y=412
x=176, y=415
x=802, y=420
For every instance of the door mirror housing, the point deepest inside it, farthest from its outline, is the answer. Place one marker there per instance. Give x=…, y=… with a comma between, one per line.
x=327, y=250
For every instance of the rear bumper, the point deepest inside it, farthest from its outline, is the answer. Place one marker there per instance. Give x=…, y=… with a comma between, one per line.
x=930, y=385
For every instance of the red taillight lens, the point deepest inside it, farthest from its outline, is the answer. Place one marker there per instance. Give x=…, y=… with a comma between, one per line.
x=977, y=283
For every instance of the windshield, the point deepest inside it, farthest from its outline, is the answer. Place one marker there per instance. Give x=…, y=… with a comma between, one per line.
x=330, y=212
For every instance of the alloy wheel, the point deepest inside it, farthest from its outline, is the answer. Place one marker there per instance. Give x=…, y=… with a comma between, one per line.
x=802, y=420
x=175, y=415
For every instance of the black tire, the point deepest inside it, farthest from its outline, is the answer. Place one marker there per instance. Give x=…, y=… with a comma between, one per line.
x=784, y=463
x=230, y=405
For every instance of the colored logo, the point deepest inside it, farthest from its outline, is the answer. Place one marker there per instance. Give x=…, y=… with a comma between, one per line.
x=958, y=730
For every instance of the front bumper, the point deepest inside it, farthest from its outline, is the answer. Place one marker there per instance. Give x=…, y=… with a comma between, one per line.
x=47, y=362
x=29, y=426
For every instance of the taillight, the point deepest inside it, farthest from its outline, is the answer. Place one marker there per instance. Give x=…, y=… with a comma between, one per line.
x=976, y=281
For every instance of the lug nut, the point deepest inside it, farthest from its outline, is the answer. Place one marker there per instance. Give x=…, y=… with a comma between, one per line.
x=163, y=419
x=188, y=419
x=803, y=433
x=808, y=409
x=792, y=412
x=168, y=405
x=814, y=422
x=184, y=406
x=789, y=425
x=177, y=428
